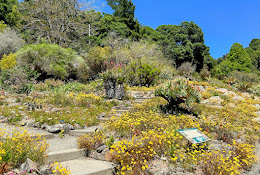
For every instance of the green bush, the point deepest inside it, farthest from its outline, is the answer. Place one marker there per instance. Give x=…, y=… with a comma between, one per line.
x=255, y=89
x=244, y=77
x=177, y=92
x=19, y=79
x=141, y=74
x=50, y=60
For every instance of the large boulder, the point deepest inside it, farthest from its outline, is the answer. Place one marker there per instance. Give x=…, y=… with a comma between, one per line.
x=238, y=99
x=29, y=165
x=158, y=167
x=215, y=101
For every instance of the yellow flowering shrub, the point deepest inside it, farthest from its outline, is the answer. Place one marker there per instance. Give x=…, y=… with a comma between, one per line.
x=91, y=141
x=8, y=61
x=18, y=146
x=58, y=169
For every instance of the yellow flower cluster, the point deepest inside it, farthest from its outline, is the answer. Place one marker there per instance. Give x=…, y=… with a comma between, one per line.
x=15, y=148
x=58, y=169
x=83, y=99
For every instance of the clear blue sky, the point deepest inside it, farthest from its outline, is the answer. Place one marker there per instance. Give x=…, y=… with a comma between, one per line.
x=223, y=22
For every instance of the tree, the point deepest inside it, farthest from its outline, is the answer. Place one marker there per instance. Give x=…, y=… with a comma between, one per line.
x=61, y=22
x=184, y=43
x=254, y=52
x=125, y=11
x=237, y=59
x=8, y=12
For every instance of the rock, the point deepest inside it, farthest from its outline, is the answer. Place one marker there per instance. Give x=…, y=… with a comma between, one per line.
x=257, y=119
x=28, y=165
x=120, y=92
x=23, y=122
x=257, y=113
x=107, y=155
x=66, y=128
x=222, y=90
x=215, y=100
x=37, y=125
x=30, y=123
x=246, y=94
x=45, y=170
x=101, y=148
x=257, y=106
x=54, y=109
x=77, y=126
x=237, y=98
x=158, y=167
x=4, y=120
x=44, y=126
x=231, y=105
x=230, y=93
x=55, y=128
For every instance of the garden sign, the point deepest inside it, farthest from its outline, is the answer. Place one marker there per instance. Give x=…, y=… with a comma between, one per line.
x=194, y=135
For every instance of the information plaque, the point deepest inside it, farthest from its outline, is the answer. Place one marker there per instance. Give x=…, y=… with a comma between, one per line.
x=194, y=135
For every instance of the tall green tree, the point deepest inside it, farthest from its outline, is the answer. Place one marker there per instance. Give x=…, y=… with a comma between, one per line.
x=9, y=12
x=237, y=60
x=185, y=43
x=124, y=10
x=254, y=52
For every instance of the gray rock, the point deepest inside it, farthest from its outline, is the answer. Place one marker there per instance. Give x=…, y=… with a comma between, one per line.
x=101, y=148
x=44, y=126
x=120, y=92
x=28, y=165
x=37, y=125
x=30, y=123
x=222, y=90
x=231, y=105
x=55, y=128
x=54, y=109
x=66, y=128
x=215, y=100
x=237, y=98
x=158, y=167
x=257, y=113
x=45, y=170
x=23, y=122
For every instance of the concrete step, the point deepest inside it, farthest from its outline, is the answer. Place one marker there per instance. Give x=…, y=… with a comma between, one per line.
x=140, y=100
x=123, y=107
x=87, y=166
x=120, y=111
x=66, y=155
x=89, y=130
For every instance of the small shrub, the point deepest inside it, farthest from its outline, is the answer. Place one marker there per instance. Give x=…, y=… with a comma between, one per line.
x=204, y=73
x=255, y=89
x=16, y=149
x=8, y=61
x=186, y=69
x=9, y=42
x=141, y=74
x=177, y=92
x=244, y=86
x=91, y=141
x=244, y=76
x=58, y=169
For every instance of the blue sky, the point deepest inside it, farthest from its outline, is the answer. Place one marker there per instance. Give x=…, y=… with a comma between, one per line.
x=223, y=22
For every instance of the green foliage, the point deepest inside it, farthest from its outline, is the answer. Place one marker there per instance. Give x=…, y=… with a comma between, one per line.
x=204, y=73
x=237, y=59
x=244, y=77
x=2, y=26
x=254, y=52
x=186, y=69
x=10, y=41
x=124, y=10
x=18, y=80
x=177, y=92
x=184, y=43
x=9, y=12
x=255, y=89
x=142, y=74
x=50, y=60
x=8, y=62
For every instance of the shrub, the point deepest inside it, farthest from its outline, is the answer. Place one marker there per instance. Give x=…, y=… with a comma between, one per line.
x=244, y=76
x=186, y=69
x=244, y=86
x=141, y=74
x=204, y=73
x=255, y=89
x=8, y=62
x=50, y=60
x=177, y=92
x=9, y=42
x=16, y=149
x=91, y=141
x=19, y=80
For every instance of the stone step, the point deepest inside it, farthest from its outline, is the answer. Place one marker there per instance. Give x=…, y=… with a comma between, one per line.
x=103, y=120
x=140, y=100
x=66, y=155
x=120, y=111
x=123, y=107
x=89, y=130
x=87, y=166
